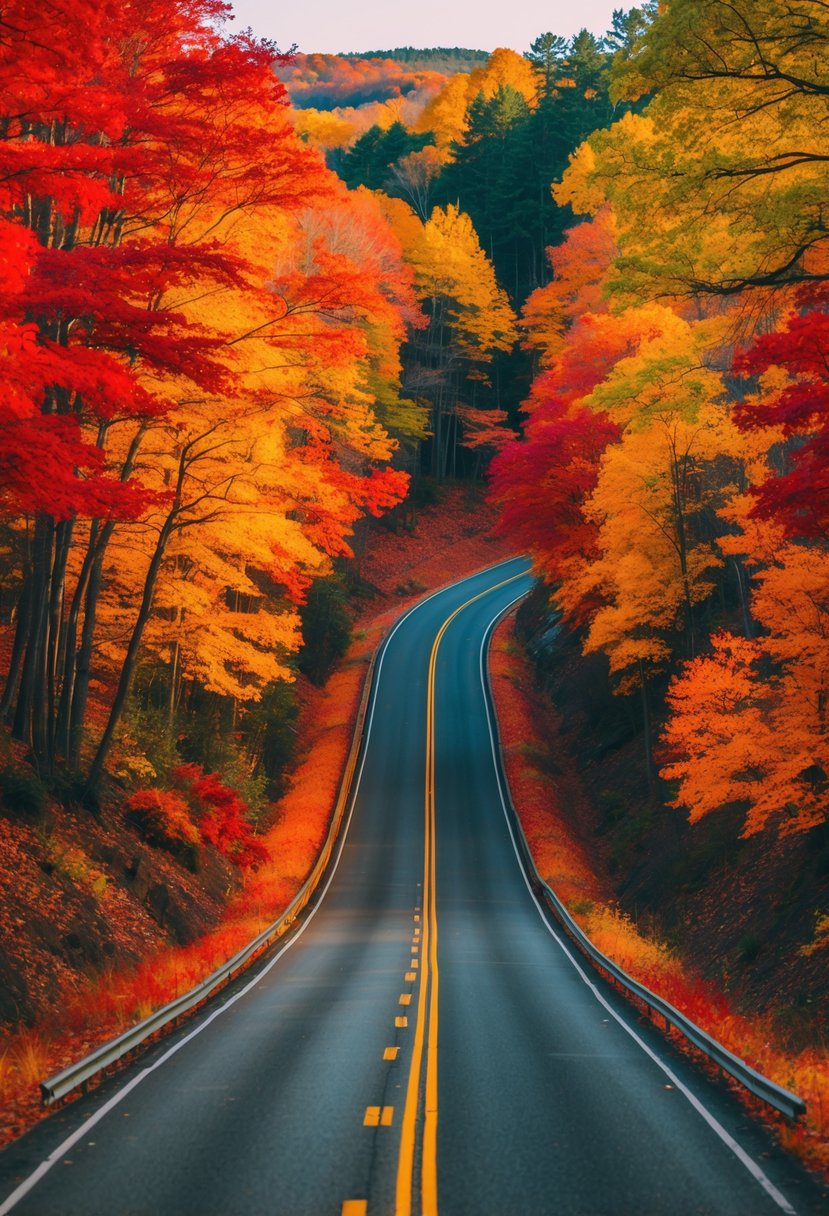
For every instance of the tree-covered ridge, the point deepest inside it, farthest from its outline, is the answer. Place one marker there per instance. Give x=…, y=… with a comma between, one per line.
x=447, y=59
x=486, y=144
x=328, y=82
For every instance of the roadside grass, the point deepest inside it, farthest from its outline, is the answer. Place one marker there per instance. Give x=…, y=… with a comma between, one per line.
x=562, y=862
x=22, y=1063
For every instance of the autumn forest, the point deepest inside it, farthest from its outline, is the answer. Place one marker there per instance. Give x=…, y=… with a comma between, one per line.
x=264, y=314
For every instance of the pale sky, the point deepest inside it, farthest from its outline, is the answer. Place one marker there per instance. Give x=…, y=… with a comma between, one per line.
x=341, y=25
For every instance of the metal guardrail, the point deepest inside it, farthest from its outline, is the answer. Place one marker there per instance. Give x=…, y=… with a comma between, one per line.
x=77, y=1075
x=768, y=1091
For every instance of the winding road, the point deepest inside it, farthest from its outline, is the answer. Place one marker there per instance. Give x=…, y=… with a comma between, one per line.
x=425, y=1043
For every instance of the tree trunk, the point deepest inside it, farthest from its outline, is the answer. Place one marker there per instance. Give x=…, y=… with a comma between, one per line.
x=131, y=658
x=57, y=632
x=67, y=689
x=29, y=718
x=646, y=725
x=83, y=662
x=175, y=669
x=748, y=624
x=21, y=632
x=75, y=691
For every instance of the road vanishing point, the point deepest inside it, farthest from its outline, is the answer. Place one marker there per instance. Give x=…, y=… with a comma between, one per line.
x=426, y=1041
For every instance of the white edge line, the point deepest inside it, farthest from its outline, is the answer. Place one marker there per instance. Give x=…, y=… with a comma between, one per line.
x=29, y=1183
x=753, y=1168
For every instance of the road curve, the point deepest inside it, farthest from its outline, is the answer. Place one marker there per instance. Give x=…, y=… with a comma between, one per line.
x=426, y=1043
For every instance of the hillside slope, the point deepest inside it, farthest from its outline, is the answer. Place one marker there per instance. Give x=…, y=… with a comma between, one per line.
x=743, y=912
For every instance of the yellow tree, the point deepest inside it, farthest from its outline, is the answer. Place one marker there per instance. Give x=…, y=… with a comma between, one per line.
x=445, y=114
x=470, y=319
x=504, y=67
x=658, y=488
x=720, y=184
x=323, y=129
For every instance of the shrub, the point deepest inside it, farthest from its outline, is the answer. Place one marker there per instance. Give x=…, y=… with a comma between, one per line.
x=269, y=730
x=326, y=629
x=221, y=816
x=73, y=864
x=211, y=739
x=24, y=794
x=145, y=745
x=163, y=816
x=426, y=492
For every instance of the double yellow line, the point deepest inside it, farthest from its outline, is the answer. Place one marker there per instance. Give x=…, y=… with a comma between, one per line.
x=426, y=1028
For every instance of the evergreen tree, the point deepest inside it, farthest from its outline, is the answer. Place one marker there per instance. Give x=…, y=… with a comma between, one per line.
x=627, y=27
x=547, y=55
x=369, y=161
x=584, y=101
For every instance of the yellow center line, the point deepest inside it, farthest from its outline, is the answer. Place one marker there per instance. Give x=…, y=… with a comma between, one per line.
x=429, y=1159
x=427, y=1035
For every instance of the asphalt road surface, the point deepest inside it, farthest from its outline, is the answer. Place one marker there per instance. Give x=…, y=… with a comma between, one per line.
x=426, y=1043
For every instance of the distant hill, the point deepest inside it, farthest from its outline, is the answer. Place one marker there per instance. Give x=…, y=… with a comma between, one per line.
x=446, y=59
x=330, y=82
